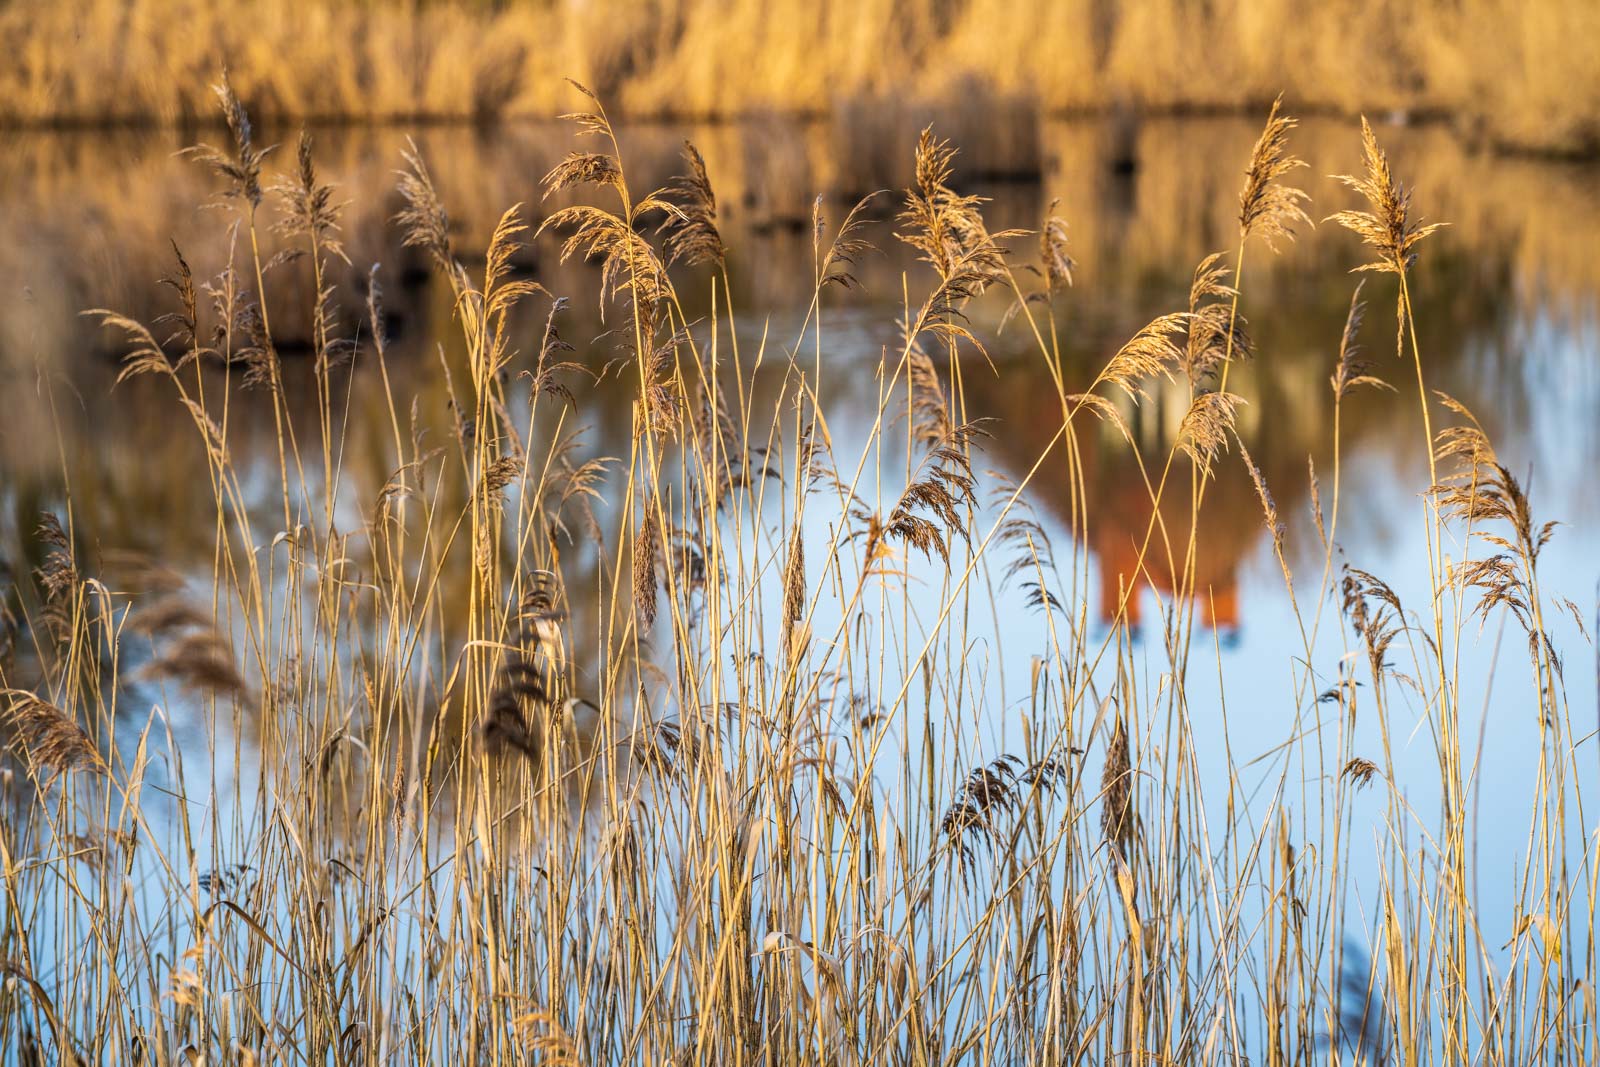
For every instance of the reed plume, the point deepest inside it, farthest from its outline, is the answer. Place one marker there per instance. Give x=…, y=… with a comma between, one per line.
x=794, y=586
x=1374, y=612
x=646, y=550
x=59, y=572
x=1269, y=507
x=929, y=512
x=496, y=476
x=1351, y=370
x=998, y=788
x=1118, y=822
x=1487, y=499
x=309, y=207
x=186, y=319
x=423, y=220
x=1058, y=262
x=189, y=648
x=1150, y=353
x=1207, y=426
x=849, y=245
x=691, y=234
x=1359, y=771
x=240, y=164
x=1267, y=207
x=49, y=737
x=201, y=660
x=947, y=230
x=1215, y=332
x=504, y=725
x=1387, y=228
x=629, y=265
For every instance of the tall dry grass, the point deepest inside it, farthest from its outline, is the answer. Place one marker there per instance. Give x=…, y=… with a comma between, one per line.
x=1515, y=74
x=687, y=753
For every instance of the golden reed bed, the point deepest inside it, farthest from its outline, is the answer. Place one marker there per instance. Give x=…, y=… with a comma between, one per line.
x=1512, y=73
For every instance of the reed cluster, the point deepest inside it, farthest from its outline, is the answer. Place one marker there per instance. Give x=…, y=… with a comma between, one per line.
x=1515, y=74
x=691, y=753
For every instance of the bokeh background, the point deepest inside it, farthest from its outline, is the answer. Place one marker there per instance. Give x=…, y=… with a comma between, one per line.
x=1518, y=75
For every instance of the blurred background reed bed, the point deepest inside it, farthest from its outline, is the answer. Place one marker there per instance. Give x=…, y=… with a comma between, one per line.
x=539, y=661
x=1515, y=75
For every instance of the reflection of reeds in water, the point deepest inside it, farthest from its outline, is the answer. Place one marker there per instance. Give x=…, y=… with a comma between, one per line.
x=58, y=199
x=683, y=753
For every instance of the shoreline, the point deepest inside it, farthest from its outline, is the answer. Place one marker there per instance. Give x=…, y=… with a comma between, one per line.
x=1475, y=141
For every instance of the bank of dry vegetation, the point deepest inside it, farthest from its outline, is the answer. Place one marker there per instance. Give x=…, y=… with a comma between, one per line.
x=1520, y=75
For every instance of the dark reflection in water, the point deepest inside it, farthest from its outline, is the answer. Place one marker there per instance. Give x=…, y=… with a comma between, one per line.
x=1504, y=303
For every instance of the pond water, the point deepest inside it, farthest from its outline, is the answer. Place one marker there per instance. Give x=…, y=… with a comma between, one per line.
x=1505, y=301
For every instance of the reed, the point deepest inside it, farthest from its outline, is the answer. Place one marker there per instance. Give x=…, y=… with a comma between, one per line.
x=1516, y=75
x=688, y=754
